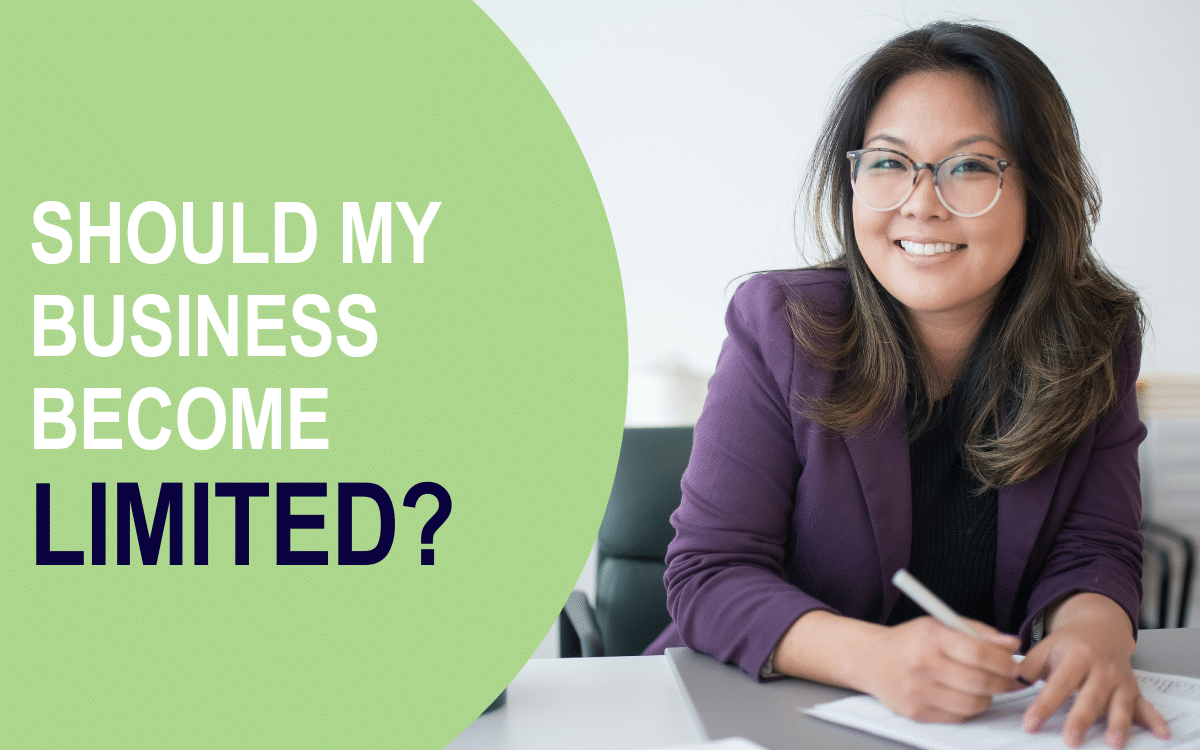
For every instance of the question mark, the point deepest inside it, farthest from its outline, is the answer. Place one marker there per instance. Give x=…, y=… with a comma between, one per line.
x=436, y=521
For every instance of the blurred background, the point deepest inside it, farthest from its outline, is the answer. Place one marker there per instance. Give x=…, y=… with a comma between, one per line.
x=697, y=119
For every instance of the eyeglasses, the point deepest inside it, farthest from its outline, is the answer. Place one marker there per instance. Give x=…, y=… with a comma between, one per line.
x=966, y=184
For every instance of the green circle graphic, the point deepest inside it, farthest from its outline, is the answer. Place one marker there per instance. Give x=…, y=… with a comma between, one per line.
x=495, y=368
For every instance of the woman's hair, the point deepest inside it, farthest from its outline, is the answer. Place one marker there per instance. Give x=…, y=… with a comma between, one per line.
x=1042, y=369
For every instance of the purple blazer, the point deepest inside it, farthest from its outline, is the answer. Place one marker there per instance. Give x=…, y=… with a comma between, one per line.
x=780, y=517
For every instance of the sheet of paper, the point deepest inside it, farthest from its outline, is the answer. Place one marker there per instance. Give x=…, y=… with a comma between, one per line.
x=999, y=728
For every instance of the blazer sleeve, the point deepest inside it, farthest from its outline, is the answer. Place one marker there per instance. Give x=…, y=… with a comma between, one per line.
x=725, y=582
x=1098, y=546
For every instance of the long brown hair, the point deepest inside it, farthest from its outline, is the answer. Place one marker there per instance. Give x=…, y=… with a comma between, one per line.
x=1042, y=369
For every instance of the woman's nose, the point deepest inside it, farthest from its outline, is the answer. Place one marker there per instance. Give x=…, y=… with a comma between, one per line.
x=923, y=203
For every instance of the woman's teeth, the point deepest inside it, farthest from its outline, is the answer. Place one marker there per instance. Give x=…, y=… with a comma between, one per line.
x=934, y=248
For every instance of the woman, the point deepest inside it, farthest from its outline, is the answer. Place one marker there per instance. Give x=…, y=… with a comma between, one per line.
x=953, y=392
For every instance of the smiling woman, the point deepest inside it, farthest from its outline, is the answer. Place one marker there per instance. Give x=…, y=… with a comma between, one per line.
x=951, y=392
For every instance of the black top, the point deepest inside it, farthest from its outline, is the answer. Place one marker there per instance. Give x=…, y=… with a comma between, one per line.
x=953, y=529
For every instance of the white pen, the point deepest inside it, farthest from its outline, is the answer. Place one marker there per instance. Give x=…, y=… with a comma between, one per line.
x=930, y=602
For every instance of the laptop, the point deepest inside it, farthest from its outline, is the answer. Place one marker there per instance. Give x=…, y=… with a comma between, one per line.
x=725, y=702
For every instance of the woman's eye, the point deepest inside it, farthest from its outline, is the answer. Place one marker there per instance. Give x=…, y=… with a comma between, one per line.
x=972, y=165
x=884, y=163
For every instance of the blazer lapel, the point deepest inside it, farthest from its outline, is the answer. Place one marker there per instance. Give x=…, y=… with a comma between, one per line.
x=881, y=461
x=880, y=457
x=1022, y=510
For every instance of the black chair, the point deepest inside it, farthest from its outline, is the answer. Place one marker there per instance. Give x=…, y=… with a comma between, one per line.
x=631, y=601
x=1168, y=554
x=1167, y=576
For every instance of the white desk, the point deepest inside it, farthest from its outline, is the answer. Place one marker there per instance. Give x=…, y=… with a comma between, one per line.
x=602, y=704
x=635, y=702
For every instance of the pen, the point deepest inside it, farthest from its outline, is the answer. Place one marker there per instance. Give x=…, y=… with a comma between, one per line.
x=931, y=603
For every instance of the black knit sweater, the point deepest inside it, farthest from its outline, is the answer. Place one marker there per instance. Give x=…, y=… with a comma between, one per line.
x=953, y=529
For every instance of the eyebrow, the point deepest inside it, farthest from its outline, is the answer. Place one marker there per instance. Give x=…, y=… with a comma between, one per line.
x=953, y=147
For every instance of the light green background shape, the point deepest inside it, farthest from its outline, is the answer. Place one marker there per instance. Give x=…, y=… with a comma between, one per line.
x=499, y=373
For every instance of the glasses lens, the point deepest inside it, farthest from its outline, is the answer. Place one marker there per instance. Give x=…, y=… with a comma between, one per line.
x=969, y=183
x=881, y=179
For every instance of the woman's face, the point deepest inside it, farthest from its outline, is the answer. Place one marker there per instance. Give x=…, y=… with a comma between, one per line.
x=929, y=116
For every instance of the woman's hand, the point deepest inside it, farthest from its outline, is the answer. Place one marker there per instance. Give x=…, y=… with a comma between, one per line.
x=928, y=672
x=920, y=669
x=1088, y=650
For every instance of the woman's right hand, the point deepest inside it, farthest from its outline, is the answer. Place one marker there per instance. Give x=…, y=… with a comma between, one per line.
x=928, y=672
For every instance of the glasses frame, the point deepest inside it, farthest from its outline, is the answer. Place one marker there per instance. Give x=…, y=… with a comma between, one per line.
x=853, y=156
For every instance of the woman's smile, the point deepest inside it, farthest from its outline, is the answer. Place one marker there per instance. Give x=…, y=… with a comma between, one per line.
x=928, y=247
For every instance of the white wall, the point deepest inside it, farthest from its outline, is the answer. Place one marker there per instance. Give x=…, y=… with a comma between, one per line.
x=697, y=118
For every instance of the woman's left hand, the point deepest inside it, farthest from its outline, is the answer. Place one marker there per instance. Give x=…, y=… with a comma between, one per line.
x=1088, y=650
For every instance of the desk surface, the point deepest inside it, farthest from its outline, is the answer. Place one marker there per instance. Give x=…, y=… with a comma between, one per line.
x=602, y=704
x=636, y=702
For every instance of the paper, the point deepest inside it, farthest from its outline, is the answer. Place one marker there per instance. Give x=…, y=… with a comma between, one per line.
x=999, y=728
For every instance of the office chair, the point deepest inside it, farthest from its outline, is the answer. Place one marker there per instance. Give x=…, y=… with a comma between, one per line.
x=631, y=601
x=1169, y=568
x=1169, y=554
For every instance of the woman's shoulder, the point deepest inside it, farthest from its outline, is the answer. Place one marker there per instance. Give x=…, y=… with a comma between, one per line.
x=769, y=309
x=825, y=289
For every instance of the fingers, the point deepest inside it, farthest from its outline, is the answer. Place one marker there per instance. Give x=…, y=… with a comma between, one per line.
x=1126, y=707
x=1060, y=684
x=949, y=706
x=991, y=656
x=1120, y=717
x=1036, y=664
x=1097, y=695
x=1008, y=642
x=921, y=699
x=1148, y=716
x=939, y=674
x=973, y=681
x=1104, y=687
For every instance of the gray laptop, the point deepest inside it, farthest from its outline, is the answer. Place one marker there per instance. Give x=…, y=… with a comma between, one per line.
x=724, y=702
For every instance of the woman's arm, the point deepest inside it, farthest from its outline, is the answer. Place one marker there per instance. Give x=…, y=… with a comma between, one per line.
x=1090, y=585
x=726, y=587
x=1097, y=545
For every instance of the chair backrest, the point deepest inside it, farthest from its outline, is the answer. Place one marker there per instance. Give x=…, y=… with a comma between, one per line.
x=631, y=602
